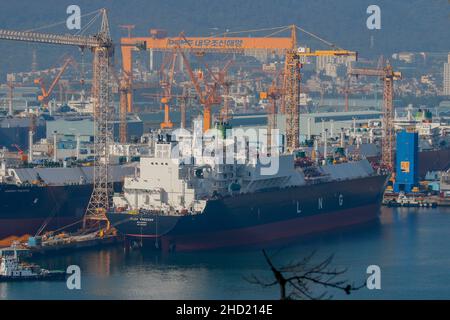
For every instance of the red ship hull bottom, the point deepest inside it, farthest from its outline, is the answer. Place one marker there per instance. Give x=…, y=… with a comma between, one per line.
x=279, y=231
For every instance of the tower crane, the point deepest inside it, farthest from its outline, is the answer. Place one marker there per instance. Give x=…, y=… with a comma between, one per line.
x=291, y=86
x=274, y=93
x=183, y=105
x=346, y=90
x=226, y=84
x=123, y=86
x=388, y=75
x=102, y=47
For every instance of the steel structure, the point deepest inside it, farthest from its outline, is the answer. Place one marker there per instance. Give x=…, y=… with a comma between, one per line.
x=388, y=75
x=102, y=48
x=201, y=45
x=46, y=93
x=274, y=93
x=281, y=45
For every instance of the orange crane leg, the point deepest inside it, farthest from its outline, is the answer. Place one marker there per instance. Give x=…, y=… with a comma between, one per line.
x=207, y=119
x=167, y=123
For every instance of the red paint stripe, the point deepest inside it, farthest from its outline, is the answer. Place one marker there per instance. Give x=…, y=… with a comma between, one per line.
x=271, y=232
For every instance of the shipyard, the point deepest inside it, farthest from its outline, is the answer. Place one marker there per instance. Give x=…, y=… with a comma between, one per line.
x=220, y=161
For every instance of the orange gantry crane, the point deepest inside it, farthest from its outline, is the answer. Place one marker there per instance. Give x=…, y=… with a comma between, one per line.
x=281, y=45
x=208, y=96
x=201, y=45
x=45, y=95
x=388, y=75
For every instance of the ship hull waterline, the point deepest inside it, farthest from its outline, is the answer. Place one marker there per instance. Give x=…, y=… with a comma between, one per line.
x=260, y=218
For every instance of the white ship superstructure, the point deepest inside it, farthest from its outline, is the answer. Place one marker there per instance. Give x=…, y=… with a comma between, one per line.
x=181, y=175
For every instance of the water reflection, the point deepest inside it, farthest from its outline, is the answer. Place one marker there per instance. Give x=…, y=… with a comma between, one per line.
x=410, y=246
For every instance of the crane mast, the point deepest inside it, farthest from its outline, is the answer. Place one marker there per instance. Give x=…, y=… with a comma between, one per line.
x=102, y=48
x=388, y=140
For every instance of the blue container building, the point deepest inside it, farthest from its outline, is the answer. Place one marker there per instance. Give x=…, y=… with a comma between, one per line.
x=407, y=176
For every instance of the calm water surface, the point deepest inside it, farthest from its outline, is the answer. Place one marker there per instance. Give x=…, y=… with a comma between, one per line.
x=411, y=246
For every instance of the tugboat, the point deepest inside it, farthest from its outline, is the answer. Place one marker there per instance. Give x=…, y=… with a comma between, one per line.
x=410, y=201
x=11, y=269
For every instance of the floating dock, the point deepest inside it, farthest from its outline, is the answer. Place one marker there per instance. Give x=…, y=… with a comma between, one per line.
x=63, y=243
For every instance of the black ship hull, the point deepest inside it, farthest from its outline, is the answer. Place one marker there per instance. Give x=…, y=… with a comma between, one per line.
x=25, y=209
x=257, y=218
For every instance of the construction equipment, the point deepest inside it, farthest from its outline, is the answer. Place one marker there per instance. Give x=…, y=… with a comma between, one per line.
x=221, y=79
x=274, y=93
x=201, y=45
x=292, y=79
x=22, y=155
x=207, y=97
x=227, y=44
x=166, y=84
x=346, y=90
x=388, y=75
x=11, y=85
x=44, y=98
x=102, y=46
x=123, y=86
x=128, y=27
x=183, y=105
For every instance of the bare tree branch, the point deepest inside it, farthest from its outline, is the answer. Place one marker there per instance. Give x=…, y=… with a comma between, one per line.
x=299, y=278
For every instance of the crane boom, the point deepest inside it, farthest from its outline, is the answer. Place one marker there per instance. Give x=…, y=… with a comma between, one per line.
x=44, y=98
x=58, y=76
x=70, y=40
x=102, y=47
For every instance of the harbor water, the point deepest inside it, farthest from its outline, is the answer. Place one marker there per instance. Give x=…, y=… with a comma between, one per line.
x=410, y=245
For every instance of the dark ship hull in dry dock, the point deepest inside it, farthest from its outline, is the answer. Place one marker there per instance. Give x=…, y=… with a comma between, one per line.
x=59, y=199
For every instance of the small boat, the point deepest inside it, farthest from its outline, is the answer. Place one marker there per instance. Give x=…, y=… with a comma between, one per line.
x=410, y=201
x=11, y=269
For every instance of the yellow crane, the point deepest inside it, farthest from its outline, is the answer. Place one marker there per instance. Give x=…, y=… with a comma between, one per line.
x=291, y=86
